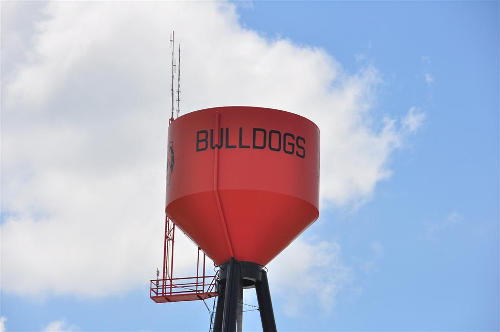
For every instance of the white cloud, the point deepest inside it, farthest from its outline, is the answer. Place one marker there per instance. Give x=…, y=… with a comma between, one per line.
x=2, y=324
x=59, y=326
x=413, y=119
x=84, y=119
x=294, y=275
x=434, y=229
x=371, y=263
x=429, y=79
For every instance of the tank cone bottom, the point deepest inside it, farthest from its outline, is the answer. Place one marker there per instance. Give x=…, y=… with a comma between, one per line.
x=234, y=276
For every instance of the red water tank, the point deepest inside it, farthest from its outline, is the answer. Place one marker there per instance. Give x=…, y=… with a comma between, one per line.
x=243, y=181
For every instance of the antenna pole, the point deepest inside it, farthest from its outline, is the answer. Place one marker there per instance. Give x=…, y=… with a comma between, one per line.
x=179, y=82
x=172, y=40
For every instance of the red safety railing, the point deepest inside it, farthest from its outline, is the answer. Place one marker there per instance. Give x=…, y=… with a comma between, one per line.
x=182, y=289
x=170, y=289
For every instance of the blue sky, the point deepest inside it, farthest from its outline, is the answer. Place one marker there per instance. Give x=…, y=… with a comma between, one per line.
x=421, y=246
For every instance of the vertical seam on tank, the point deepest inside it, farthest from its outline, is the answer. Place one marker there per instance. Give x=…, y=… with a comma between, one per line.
x=216, y=187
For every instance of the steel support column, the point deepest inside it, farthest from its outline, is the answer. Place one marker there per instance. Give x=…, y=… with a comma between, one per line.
x=219, y=312
x=232, y=292
x=265, y=304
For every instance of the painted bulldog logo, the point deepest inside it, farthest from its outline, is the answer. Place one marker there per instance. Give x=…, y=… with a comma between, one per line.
x=170, y=161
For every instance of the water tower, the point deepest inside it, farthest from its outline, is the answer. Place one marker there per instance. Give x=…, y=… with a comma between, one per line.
x=242, y=183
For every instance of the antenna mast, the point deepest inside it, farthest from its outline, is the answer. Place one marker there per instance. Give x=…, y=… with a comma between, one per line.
x=172, y=40
x=179, y=82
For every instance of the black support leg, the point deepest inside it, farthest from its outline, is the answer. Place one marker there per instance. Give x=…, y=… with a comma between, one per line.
x=265, y=304
x=219, y=313
x=233, y=285
x=239, y=319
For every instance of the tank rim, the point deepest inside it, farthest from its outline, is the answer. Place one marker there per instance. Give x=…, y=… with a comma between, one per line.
x=247, y=107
